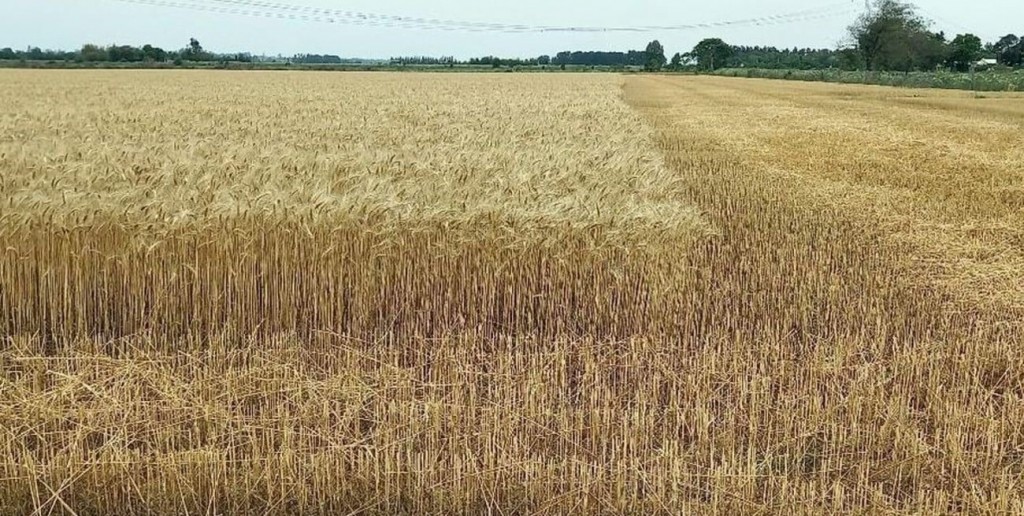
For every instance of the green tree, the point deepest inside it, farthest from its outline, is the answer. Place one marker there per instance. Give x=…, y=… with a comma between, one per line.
x=964, y=50
x=930, y=50
x=92, y=53
x=152, y=53
x=125, y=53
x=712, y=54
x=677, y=61
x=1009, y=50
x=893, y=37
x=654, y=56
x=850, y=59
x=194, y=51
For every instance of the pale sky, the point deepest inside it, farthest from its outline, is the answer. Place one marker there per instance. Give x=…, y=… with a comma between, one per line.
x=67, y=24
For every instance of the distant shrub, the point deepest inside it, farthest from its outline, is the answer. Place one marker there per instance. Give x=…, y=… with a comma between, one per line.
x=989, y=80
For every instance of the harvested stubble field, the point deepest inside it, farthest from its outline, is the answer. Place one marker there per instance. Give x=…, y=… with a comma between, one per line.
x=285, y=293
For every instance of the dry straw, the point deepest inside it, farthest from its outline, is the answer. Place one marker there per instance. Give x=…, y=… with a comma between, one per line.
x=284, y=293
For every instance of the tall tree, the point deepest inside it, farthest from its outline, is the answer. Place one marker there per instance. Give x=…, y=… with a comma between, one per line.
x=1009, y=50
x=194, y=51
x=964, y=50
x=677, y=61
x=930, y=50
x=654, y=56
x=712, y=54
x=893, y=37
x=152, y=53
x=93, y=53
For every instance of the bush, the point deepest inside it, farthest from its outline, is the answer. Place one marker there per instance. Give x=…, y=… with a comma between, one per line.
x=992, y=80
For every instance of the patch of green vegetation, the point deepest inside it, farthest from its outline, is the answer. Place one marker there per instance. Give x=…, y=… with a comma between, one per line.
x=991, y=80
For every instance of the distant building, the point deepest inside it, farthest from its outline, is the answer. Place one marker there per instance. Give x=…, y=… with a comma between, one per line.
x=986, y=63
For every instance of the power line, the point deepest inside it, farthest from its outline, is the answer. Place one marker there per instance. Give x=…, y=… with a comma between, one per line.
x=266, y=13
x=276, y=10
x=948, y=23
x=365, y=16
x=263, y=4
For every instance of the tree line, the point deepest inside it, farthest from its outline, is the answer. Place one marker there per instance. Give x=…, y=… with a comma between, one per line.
x=565, y=58
x=193, y=52
x=892, y=36
x=90, y=53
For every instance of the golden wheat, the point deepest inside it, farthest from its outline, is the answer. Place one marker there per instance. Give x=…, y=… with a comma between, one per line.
x=413, y=293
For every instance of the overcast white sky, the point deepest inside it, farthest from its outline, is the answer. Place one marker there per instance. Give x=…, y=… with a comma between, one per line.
x=66, y=24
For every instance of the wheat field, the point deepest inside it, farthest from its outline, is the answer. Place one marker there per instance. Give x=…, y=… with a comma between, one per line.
x=280, y=293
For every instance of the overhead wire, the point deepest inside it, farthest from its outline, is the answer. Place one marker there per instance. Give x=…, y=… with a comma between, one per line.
x=951, y=24
x=287, y=11
x=263, y=4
